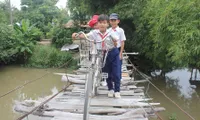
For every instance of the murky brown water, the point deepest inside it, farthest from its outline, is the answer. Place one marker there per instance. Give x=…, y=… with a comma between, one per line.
x=177, y=87
x=13, y=76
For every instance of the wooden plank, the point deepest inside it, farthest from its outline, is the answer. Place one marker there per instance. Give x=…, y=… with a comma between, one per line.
x=105, y=88
x=128, y=65
x=133, y=82
x=125, y=57
x=72, y=75
x=96, y=100
x=77, y=85
x=74, y=116
x=121, y=103
x=49, y=112
x=99, y=96
x=125, y=81
x=92, y=117
x=131, y=53
x=73, y=94
x=75, y=75
x=110, y=102
x=122, y=93
x=79, y=109
x=135, y=87
x=121, y=88
x=79, y=92
x=76, y=81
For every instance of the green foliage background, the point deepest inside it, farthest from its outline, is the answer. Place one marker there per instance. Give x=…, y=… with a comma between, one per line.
x=36, y=20
x=48, y=56
x=166, y=33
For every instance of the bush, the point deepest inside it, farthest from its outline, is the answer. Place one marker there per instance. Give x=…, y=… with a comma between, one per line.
x=30, y=32
x=36, y=34
x=49, y=31
x=62, y=36
x=16, y=45
x=7, y=43
x=48, y=56
x=25, y=36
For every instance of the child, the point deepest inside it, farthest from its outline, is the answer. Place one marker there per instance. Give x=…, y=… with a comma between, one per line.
x=114, y=21
x=112, y=60
x=93, y=23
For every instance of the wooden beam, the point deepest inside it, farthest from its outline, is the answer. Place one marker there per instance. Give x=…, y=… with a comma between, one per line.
x=133, y=53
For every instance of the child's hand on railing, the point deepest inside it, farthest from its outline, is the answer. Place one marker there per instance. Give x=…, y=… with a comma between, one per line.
x=77, y=36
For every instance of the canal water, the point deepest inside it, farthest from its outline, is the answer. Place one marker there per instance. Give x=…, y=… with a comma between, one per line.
x=176, y=85
x=13, y=76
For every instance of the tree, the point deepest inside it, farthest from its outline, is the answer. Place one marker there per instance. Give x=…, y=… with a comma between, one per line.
x=41, y=12
x=166, y=33
x=173, y=32
x=8, y=52
x=79, y=10
x=4, y=12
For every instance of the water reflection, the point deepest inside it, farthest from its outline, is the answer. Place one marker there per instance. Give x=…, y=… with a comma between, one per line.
x=176, y=86
x=181, y=80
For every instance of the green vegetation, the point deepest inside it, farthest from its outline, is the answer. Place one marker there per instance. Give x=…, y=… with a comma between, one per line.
x=7, y=43
x=166, y=33
x=16, y=44
x=48, y=56
x=40, y=12
x=36, y=20
x=4, y=12
x=62, y=36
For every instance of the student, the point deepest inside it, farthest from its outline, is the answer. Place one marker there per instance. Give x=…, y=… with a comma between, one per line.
x=114, y=21
x=93, y=23
x=112, y=60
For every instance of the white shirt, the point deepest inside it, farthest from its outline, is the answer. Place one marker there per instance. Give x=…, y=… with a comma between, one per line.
x=109, y=36
x=120, y=33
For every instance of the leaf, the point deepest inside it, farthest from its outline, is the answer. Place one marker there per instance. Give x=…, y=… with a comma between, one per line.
x=22, y=49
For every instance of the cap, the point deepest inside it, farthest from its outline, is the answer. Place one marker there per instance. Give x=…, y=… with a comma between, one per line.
x=93, y=21
x=114, y=16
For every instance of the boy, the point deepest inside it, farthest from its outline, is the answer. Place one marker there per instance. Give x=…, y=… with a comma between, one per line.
x=114, y=21
x=112, y=60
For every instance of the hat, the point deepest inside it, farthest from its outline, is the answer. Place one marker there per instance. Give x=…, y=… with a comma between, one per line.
x=114, y=16
x=93, y=21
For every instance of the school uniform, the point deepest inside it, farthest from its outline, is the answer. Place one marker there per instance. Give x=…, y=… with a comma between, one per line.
x=112, y=66
x=120, y=34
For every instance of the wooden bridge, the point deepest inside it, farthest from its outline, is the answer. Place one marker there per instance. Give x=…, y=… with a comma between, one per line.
x=68, y=104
